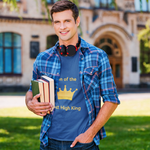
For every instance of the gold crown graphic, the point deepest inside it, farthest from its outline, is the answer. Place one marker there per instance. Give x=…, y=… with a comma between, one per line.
x=65, y=94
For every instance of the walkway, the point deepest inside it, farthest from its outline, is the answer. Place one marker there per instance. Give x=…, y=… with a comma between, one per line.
x=17, y=101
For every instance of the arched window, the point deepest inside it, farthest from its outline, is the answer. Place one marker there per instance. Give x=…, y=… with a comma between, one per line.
x=51, y=40
x=109, y=45
x=10, y=53
x=107, y=49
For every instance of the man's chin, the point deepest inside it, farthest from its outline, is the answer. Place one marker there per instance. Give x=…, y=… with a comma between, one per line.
x=65, y=38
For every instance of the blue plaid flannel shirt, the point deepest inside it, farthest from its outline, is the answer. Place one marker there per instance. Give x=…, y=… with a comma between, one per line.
x=95, y=76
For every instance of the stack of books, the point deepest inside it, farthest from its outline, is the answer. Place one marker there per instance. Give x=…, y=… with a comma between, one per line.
x=44, y=86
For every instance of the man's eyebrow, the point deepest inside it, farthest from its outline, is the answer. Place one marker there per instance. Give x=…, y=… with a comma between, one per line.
x=56, y=21
x=67, y=19
x=64, y=20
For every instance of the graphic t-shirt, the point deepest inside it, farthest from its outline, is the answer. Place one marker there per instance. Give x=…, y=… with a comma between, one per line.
x=70, y=117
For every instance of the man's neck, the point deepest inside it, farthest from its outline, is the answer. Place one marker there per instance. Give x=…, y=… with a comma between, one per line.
x=72, y=41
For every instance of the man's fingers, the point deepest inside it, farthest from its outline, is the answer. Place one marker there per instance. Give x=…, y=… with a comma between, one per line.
x=74, y=142
x=37, y=96
x=40, y=108
x=41, y=114
x=45, y=104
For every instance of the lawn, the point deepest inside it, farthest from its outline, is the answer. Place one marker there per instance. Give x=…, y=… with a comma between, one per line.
x=127, y=129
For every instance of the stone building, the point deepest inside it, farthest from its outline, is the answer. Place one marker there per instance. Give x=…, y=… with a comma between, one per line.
x=111, y=29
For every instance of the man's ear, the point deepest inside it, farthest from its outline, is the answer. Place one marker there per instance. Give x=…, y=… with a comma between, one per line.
x=78, y=21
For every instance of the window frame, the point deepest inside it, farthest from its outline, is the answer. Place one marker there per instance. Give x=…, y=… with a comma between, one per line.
x=12, y=55
x=50, y=3
x=106, y=7
x=54, y=37
x=138, y=6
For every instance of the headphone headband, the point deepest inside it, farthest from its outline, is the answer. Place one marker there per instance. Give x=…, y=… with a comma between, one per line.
x=69, y=50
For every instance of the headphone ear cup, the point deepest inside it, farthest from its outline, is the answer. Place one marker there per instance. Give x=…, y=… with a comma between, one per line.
x=71, y=50
x=62, y=50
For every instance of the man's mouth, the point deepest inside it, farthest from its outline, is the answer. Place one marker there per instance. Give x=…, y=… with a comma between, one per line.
x=64, y=32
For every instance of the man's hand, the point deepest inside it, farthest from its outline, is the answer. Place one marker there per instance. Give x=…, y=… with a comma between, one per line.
x=39, y=108
x=102, y=117
x=83, y=138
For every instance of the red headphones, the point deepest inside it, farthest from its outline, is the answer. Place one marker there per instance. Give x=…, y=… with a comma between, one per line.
x=69, y=50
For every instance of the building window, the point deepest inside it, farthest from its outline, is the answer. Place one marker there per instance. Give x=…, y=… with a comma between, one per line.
x=10, y=53
x=134, y=64
x=51, y=1
x=107, y=49
x=144, y=57
x=117, y=71
x=51, y=41
x=143, y=6
x=108, y=4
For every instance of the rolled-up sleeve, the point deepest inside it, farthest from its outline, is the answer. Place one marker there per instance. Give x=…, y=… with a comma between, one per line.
x=106, y=80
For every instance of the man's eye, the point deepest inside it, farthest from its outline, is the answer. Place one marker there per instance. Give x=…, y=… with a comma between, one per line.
x=67, y=20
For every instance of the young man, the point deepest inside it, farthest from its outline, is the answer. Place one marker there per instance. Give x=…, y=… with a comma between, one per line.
x=82, y=74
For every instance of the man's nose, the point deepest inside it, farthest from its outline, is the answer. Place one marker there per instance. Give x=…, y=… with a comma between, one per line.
x=62, y=26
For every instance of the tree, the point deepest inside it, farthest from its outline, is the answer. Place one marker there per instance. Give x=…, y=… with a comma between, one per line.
x=13, y=5
x=144, y=38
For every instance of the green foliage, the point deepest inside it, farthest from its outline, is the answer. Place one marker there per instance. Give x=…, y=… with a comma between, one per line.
x=147, y=67
x=145, y=34
x=12, y=4
x=144, y=37
x=113, y=3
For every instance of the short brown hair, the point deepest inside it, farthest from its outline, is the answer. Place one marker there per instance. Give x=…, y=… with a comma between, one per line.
x=63, y=5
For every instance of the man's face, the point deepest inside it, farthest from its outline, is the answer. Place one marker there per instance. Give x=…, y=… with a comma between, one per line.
x=65, y=26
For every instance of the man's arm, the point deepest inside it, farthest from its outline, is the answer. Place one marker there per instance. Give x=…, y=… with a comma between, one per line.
x=104, y=114
x=39, y=108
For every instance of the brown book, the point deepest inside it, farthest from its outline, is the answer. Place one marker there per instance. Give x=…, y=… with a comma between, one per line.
x=41, y=90
x=51, y=89
x=46, y=90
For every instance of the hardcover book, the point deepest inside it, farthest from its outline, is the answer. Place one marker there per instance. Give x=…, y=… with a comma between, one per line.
x=51, y=88
x=44, y=86
x=35, y=88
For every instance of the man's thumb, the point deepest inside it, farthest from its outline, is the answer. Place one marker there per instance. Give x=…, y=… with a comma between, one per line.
x=37, y=96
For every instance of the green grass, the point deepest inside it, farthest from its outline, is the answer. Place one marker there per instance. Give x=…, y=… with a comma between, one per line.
x=127, y=129
x=127, y=133
x=19, y=133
